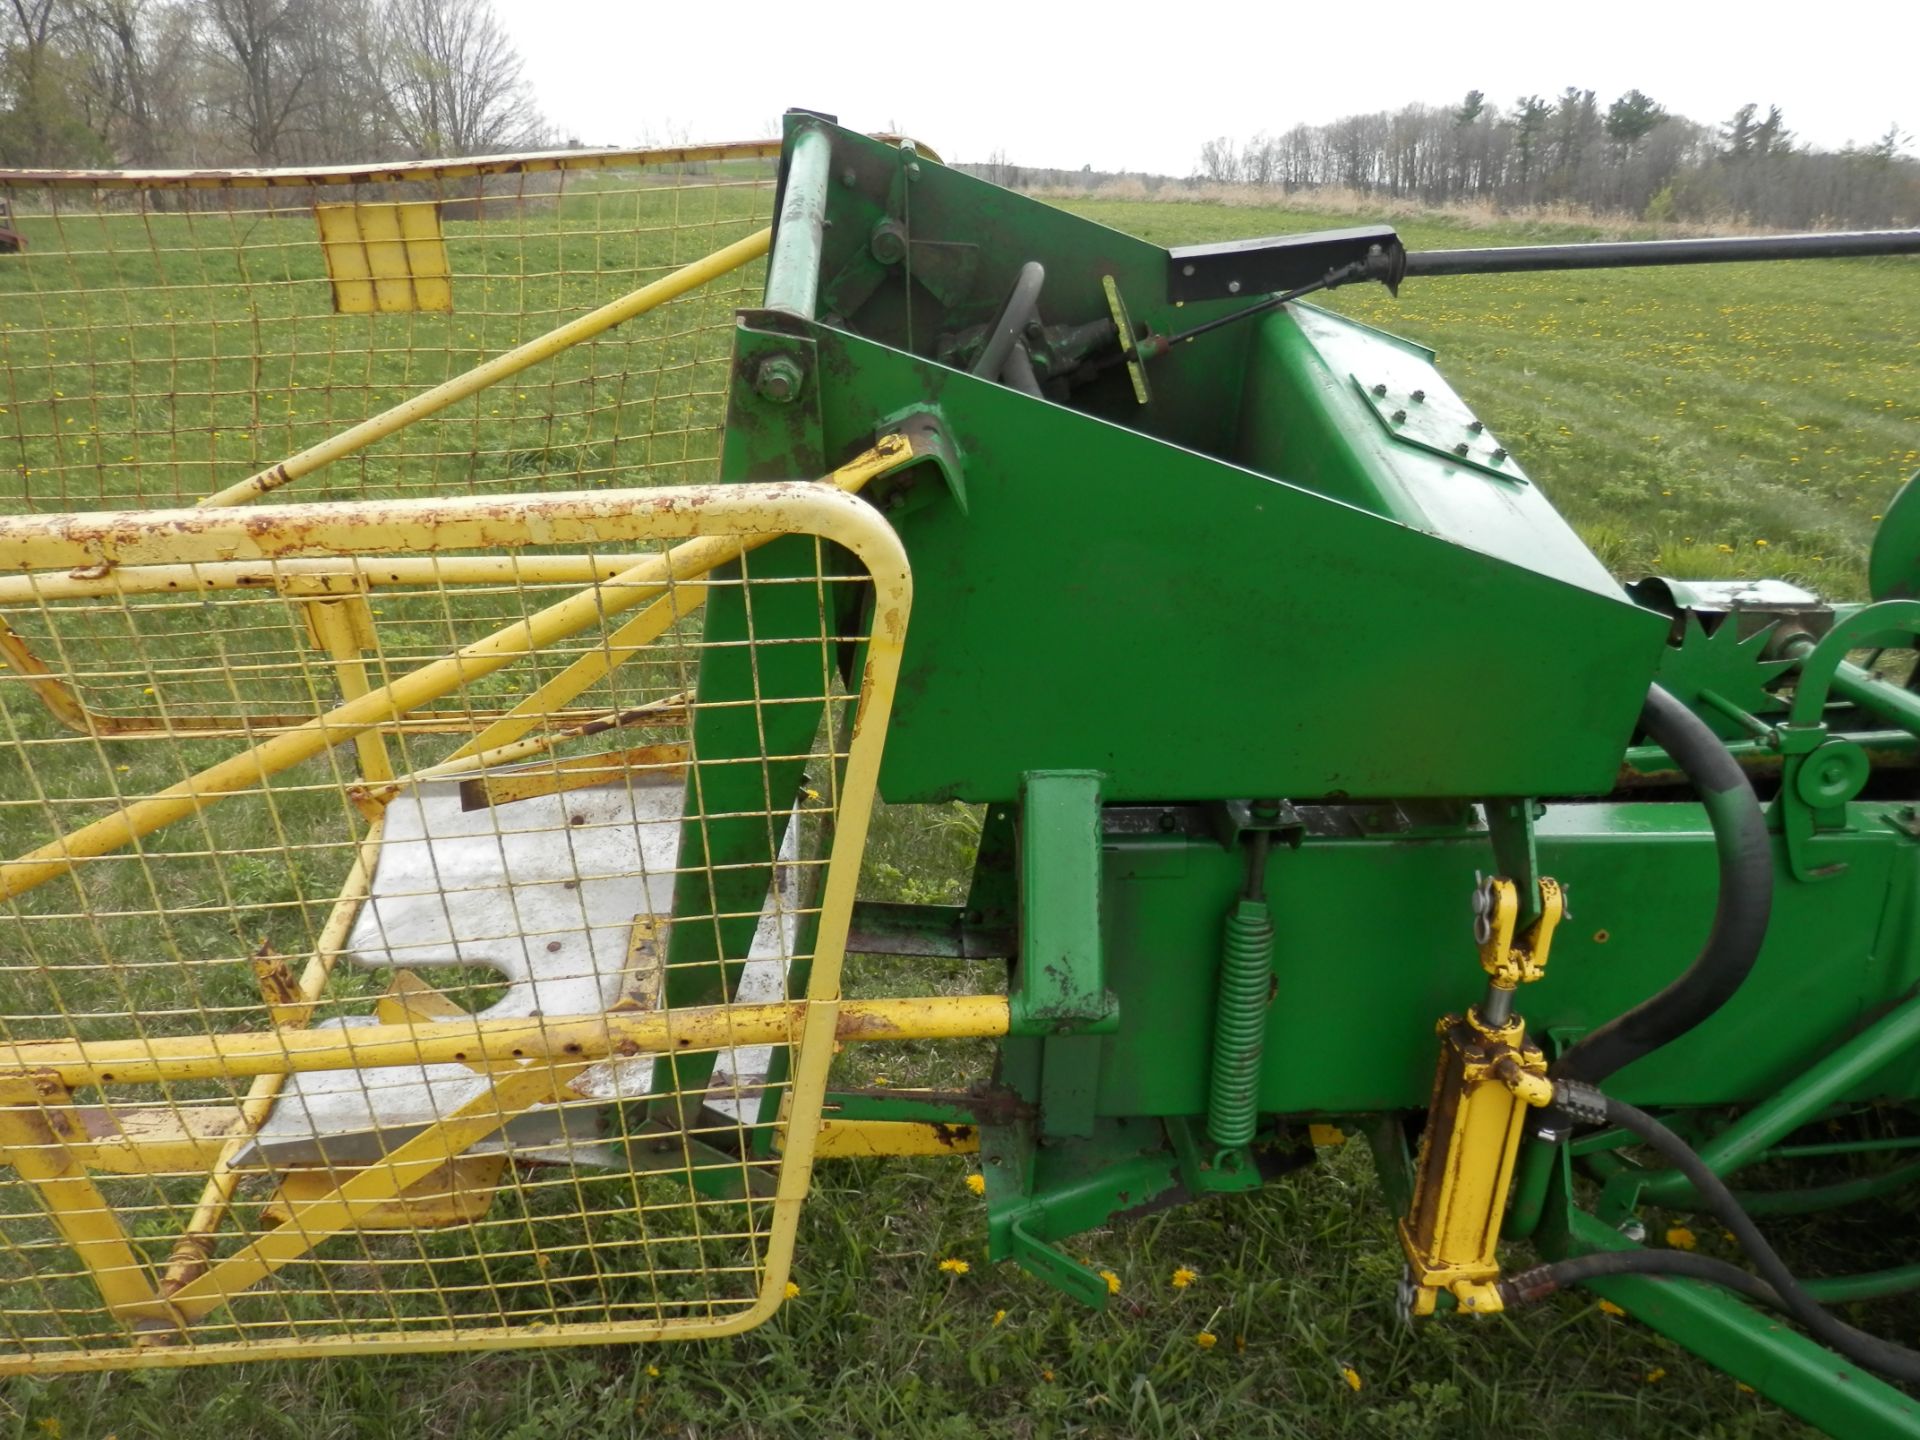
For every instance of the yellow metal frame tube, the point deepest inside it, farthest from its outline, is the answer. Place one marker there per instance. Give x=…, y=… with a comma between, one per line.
x=499, y=1044
x=618, y=517
x=501, y=367
x=196, y=1240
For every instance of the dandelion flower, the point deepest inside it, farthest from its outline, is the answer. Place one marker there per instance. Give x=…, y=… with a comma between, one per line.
x=977, y=1184
x=1761, y=544
x=999, y=1317
x=793, y=1291
x=1183, y=1277
x=1656, y=1375
x=954, y=1266
x=1113, y=1281
x=1351, y=1376
x=1608, y=1307
x=1206, y=1339
x=1681, y=1238
x=653, y=1372
x=1046, y=1375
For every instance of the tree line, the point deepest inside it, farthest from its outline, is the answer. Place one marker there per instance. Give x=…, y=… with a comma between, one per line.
x=1631, y=156
x=143, y=83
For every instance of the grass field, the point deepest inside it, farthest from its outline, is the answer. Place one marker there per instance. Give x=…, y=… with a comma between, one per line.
x=1722, y=421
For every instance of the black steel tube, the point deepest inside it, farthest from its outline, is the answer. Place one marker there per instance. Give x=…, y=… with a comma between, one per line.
x=1624, y=254
x=1740, y=915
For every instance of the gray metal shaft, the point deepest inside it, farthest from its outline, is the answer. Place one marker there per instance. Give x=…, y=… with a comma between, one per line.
x=1623, y=254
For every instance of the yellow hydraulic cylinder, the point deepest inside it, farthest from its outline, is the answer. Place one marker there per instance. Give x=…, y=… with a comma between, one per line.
x=1489, y=1075
x=1486, y=1080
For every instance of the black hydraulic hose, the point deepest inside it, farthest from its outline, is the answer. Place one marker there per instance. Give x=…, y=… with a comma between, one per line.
x=1528, y=1286
x=1868, y=1351
x=1739, y=918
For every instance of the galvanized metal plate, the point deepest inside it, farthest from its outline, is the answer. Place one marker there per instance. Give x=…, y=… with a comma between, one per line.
x=1435, y=419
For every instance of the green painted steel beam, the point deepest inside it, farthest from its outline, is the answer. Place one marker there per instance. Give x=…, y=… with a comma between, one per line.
x=1839, y=1074
x=1759, y=1348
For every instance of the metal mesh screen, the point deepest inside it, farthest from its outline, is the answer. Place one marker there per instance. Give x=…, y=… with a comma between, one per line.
x=166, y=334
x=465, y=997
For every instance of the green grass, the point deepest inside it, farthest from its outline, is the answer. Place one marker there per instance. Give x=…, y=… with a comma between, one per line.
x=1680, y=419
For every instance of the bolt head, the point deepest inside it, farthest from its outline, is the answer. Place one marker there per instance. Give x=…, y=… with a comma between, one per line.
x=1233, y=287
x=778, y=379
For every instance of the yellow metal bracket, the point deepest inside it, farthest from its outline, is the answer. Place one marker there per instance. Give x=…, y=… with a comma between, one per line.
x=1509, y=960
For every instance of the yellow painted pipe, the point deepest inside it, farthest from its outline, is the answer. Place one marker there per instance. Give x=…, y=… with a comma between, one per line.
x=501, y=367
x=498, y=1044
x=644, y=581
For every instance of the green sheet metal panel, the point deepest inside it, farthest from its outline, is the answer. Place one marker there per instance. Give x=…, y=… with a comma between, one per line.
x=1195, y=630
x=1374, y=944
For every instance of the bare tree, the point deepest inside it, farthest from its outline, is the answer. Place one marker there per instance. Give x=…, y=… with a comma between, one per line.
x=262, y=73
x=453, y=80
x=43, y=118
x=137, y=57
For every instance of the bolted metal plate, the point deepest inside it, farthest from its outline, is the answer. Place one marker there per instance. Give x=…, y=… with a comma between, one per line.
x=1437, y=420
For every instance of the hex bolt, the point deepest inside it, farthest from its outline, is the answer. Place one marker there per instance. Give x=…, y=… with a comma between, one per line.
x=1399, y=417
x=1186, y=269
x=1418, y=396
x=1461, y=448
x=778, y=379
x=1380, y=392
x=1233, y=287
x=1477, y=426
x=1499, y=456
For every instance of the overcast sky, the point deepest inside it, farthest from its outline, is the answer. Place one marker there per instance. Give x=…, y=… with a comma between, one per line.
x=1139, y=88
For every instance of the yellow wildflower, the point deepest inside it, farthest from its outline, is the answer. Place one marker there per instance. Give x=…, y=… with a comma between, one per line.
x=999, y=1317
x=653, y=1372
x=1761, y=543
x=1183, y=1277
x=1206, y=1339
x=793, y=1291
x=1681, y=1238
x=1240, y=1344
x=1656, y=1375
x=1351, y=1376
x=1743, y=1387
x=51, y=1426
x=977, y=1184
x=953, y=1266
x=1113, y=1281
x=1610, y=1308
x=1046, y=1374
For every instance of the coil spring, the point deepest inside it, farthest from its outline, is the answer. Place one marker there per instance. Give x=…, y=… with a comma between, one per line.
x=1240, y=1025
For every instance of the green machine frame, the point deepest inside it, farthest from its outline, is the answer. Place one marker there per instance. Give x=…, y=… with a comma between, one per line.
x=1259, y=650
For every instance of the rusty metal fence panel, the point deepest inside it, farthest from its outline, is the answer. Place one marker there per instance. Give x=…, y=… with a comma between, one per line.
x=166, y=334
x=352, y=1017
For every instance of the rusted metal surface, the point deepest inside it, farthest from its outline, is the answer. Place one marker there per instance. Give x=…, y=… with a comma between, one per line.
x=527, y=163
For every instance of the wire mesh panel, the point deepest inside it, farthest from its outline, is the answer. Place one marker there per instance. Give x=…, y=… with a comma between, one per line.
x=484, y=992
x=164, y=335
